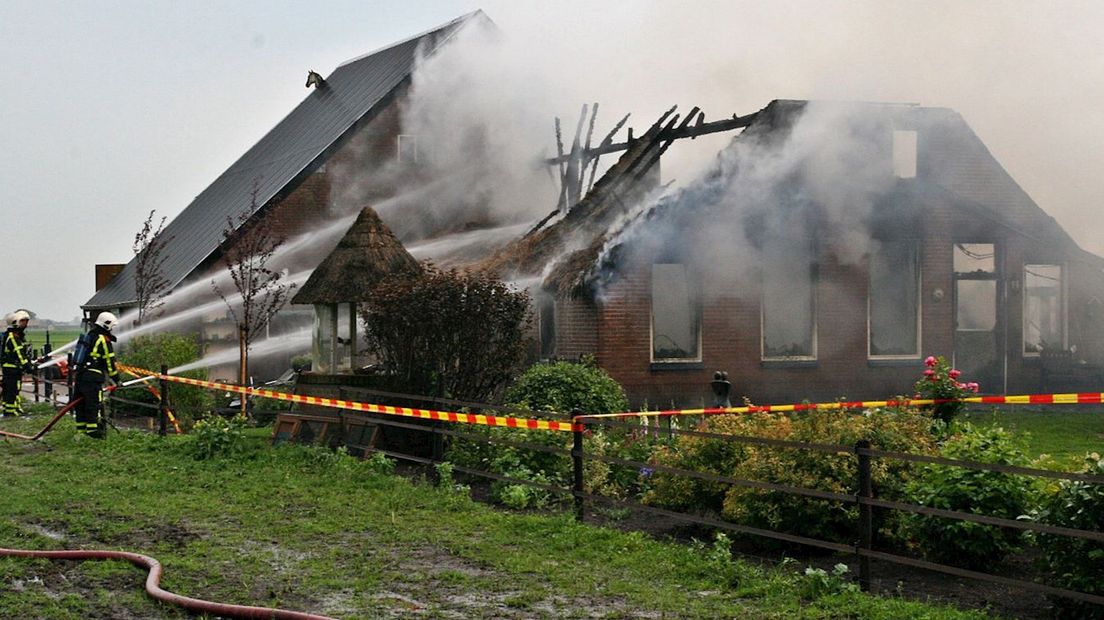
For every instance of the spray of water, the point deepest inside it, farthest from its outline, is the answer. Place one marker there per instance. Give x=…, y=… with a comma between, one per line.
x=298, y=341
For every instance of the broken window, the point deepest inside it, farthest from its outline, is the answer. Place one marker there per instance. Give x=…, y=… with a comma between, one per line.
x=345, y=345
x=974, y=258
x=408, y=149
x=976, y=305
x=322, y=346
x=1043, y=311
x=904, y=154
x=893, y=300
x=789, y=303
x=547, y=324
x=676, y=315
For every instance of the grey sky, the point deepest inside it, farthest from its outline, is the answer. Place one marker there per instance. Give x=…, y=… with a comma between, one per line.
x=111, y=109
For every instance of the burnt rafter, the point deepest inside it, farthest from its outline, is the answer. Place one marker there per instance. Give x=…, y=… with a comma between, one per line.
x=699, y=128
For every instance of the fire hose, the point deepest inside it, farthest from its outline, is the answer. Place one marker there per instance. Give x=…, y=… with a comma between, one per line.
x=154, y=578
x=153, y=587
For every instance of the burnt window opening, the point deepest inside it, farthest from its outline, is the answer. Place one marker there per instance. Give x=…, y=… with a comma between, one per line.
x=1044, y=324
x=904, y=154
x=975, y=258
x=893, y=301
x=676, y=315
x=546, y=316
x=789, y=303
x=407, y=149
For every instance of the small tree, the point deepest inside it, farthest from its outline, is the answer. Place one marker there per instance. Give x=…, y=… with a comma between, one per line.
x=150, y=285
x=446, y=333
x=248, y=244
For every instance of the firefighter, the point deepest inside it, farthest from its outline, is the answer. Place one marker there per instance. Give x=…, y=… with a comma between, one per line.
x=91, y=376
x=16, y=360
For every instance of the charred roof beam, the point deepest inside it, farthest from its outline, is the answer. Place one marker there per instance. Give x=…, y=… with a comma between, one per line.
x=700, y=128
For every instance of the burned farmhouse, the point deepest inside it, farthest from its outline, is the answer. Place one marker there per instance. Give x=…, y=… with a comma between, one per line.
x=827, y=251
x=831, y=248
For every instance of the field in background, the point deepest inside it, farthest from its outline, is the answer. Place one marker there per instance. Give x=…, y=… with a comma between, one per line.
x=58, y=337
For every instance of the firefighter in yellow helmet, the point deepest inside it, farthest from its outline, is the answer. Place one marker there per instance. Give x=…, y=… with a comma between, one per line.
x=16, y=360
x=90, y=378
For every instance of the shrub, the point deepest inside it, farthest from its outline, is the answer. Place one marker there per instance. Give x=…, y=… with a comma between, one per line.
x=1075, y=563
x=149, y=352
x=562, y=386
x=991, y=493
x=566, y=386
x=905, y=430
x=215, y=437
x=708, y=455
x=447, y=333
x=940, y=382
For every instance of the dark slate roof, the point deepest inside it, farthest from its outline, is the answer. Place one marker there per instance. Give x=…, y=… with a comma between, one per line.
x=282, y=158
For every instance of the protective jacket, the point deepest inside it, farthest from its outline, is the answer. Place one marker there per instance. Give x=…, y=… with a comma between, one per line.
x=14, y=355
x=101, y=359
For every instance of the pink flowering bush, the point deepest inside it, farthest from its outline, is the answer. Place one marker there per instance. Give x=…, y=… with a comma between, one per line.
x=941, y=382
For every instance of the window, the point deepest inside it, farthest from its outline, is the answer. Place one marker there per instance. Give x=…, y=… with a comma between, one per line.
x=893, y=301
x=408, y=149
x=322, y=346
x=789, y=304
x=975, y=258
x=547, y=325
x=1043, y=312
x=904, y=154
x=676, y=315
x=345, y=337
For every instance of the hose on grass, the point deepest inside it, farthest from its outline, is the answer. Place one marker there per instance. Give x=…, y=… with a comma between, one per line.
x=153, y=588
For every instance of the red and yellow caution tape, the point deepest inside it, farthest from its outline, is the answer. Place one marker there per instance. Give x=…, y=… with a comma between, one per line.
x=428, y=414
x=1076, y=398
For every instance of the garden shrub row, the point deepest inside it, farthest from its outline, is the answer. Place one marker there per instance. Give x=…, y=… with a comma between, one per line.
x=1074, y=563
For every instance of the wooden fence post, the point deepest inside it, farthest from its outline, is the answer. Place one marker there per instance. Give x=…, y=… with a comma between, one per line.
x=577, y=465
x=866, y=513
x=163, y=410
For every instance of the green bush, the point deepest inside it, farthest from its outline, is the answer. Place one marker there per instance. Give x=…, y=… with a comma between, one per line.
x=903, y=430
x=990, y=493
x=566, y=386
x=1074, y=563
x=708, y=455
x=215, y=437
x=189, y=402
x=562, y=387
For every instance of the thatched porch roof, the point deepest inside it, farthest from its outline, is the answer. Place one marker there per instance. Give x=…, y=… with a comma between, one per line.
x=367, y=254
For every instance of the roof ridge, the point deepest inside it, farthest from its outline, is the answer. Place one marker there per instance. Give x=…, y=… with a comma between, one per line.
x=448, y=24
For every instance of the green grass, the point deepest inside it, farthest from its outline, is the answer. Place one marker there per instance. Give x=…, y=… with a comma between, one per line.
x=311, y=530
x=58, y=337
x=1064, y=432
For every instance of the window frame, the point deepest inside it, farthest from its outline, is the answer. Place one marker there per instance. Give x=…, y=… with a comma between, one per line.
x=413, y=139
x=695, y=300
x=1063, y=308
x=814, y=286
x=870, y=355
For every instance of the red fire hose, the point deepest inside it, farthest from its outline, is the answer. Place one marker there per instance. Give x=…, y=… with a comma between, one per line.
x=153, y=580
x=154, y=589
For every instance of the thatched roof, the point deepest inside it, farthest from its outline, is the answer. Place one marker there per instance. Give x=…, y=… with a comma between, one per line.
x=368, y=253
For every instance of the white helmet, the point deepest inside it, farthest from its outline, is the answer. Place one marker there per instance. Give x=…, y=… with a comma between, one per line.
x=15, y=317
x=106, y=320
